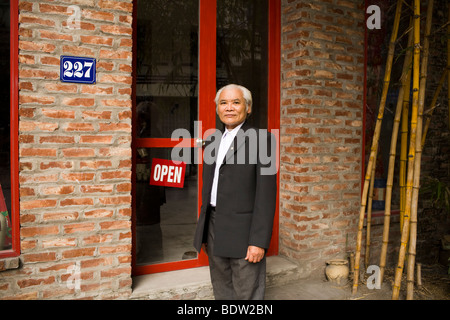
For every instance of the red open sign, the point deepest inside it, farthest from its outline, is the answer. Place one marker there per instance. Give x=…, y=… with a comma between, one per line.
x=167, y=173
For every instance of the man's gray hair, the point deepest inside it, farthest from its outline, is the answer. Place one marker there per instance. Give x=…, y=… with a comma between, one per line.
x=245, y=92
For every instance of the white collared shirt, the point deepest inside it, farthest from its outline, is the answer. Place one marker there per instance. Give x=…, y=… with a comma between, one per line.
x=225, y=143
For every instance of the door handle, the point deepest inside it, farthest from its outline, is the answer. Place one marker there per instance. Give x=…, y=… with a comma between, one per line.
x=200, y=142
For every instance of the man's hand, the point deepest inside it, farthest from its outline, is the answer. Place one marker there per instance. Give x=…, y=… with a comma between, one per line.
x=254, y=254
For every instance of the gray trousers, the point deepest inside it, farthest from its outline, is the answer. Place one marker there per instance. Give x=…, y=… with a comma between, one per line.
x=234, y=279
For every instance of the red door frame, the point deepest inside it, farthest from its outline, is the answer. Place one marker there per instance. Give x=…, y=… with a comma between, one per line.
x=14, y=129
x=273, y=98
x=207, y=92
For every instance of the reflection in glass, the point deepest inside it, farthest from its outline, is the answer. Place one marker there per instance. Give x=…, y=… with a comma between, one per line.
x=167, y=66
x=165, y=217
x=242, y=51
x=166, y=100
x=5, y=172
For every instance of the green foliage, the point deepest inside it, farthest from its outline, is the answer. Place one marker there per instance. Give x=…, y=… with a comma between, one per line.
x=438, y=192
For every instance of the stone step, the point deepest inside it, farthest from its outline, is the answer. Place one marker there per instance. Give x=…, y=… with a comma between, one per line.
x=195, y=284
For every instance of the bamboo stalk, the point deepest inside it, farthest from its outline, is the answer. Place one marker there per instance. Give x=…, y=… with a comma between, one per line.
x=430, y=110
x=404, y=149
x=411, y=153
x=387, y=77
x=369, y=214
x=418, y=158
x=405, y=80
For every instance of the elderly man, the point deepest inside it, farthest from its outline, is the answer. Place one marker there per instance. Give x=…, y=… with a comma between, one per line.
x=239, y=197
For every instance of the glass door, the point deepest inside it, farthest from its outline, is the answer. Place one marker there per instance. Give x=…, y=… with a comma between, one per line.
x=166, y=99
x=184, y=51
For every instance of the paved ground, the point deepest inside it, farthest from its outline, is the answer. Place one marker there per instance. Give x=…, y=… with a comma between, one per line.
x=195, y=284
x=435, y=279
x=308, y=289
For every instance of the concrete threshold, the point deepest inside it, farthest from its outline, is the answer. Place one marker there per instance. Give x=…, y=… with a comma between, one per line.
x=195, y=284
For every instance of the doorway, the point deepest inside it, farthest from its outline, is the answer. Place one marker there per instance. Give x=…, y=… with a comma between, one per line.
x=184, y=50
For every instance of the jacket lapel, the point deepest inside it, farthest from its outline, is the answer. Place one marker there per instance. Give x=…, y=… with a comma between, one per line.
x=236, y=144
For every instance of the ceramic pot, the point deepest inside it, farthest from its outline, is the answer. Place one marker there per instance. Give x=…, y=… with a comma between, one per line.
x=337, y=271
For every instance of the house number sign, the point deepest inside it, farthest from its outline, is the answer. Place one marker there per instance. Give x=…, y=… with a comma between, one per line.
x=77, y=69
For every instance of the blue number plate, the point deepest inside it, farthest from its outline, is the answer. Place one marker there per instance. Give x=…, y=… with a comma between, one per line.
x=77, y=69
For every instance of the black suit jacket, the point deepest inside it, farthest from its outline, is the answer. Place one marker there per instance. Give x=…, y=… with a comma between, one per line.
x=246, y=196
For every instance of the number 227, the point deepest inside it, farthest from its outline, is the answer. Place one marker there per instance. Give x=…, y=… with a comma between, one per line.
x=76, y=70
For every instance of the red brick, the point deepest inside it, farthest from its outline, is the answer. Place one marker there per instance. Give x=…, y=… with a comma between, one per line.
x=77, y=202
x=116, y=103
x=78, y=227
x=115, y=54
x=103, y=238
x=57, y=139
x=115, y=200
x=35, y=282
x=109, y=78
x=82, y=102
x=76, y=177
x=58, y=114
x=102, y=115
x=26, y=192
x=77, y=253
x=56, y=164
x=96, y=90
x=85, y=127
x=46, y=34
x=36, y=20
x=59, y=242
x=77, y=50
x=57, y=190
x=37, y=46
x=27, y=59
x=57, y=216
x=37, y=126
x=110, y=225
x=115, y=249
x=98, y=213
x=96, y=139
x=52, y=61
x=56, y=87
x=107, y=127
x=117, y=30
x=38, y=178
x=78, y=152
x=115, y=175
x=98, y=15
x=97, y=188
x=114, y=5
x=26, y=85
x=43, y=100
x=115, y=272
x=106, y=41
x=28, y=232
x=55, y=9
x=93, y=164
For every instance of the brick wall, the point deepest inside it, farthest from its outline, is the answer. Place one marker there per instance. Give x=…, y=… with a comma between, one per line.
x=321, y=128
x=75, y=153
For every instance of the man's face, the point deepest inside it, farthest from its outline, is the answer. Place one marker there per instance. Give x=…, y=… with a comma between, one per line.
x=231, y=108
